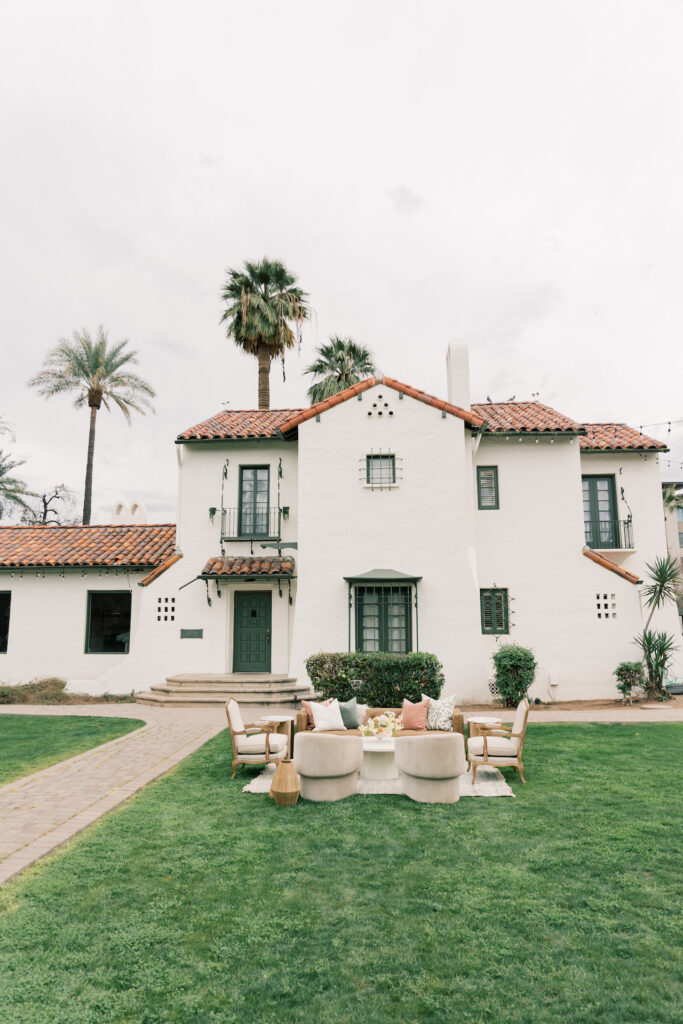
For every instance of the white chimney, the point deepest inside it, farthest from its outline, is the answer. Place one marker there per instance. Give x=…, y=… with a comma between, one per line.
x=458, y=375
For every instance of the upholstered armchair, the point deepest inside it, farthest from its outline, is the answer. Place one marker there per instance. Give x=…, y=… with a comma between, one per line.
x=327, y=765
x=430, y=766
x=253, y=744
x=500, y=746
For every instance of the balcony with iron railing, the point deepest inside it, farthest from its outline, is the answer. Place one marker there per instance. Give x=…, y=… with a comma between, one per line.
x=252, y=523
x=609, y=534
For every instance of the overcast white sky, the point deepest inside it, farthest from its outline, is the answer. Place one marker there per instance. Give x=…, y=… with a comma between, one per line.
x=506, y=172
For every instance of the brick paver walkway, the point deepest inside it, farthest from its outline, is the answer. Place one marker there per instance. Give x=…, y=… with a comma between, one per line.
x=42, y=811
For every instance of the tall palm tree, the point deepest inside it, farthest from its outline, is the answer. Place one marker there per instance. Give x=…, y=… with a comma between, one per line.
x=13, y=492
x=264, y=313
x=340, y=364
x=99, y=375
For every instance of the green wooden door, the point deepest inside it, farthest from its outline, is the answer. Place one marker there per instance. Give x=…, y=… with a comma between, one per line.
x=252, y=631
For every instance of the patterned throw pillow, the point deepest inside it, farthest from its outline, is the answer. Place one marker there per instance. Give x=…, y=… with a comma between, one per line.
x=440, y=713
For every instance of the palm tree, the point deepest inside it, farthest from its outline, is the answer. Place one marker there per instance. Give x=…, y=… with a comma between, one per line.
x=13, y=492
x=98, y=375
x=340, y=364
x=264, y=313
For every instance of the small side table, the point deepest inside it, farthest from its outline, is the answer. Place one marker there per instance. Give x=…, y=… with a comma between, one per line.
x=285, y=725
x=474, y=725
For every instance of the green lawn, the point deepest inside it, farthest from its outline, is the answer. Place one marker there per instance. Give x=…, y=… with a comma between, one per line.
x=31, y=742
x=195, y=903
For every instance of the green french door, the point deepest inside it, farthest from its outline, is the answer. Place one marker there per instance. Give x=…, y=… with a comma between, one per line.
x=600, y=512
x=252, y=631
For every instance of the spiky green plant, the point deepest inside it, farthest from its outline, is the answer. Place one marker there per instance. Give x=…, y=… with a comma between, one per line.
x=663, y=579
x=14, y=494
x=657, y=650
x=98, y=374
x=264, y=314
x=340, y=364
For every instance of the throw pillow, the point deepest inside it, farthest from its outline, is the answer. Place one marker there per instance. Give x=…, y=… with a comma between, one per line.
x=349, y=713
x=362, y=713
x=327, y=717
x=440, y=713
x=415, y=715
x=307, y=705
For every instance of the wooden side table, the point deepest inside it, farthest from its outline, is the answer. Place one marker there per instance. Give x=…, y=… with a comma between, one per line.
x=476, y=726
x=283, y=724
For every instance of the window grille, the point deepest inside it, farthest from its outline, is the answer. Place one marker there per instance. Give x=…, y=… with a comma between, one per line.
x=380, y=469
x=166, y=609
x=606, y=606
x=487, y=487
x=494, y=611
x=383, y=619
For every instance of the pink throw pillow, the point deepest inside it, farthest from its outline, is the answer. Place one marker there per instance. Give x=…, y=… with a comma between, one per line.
x=306, y=705
x=415, y=715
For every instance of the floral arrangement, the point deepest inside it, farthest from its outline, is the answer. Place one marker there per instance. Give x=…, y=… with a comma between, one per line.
x=383, y=727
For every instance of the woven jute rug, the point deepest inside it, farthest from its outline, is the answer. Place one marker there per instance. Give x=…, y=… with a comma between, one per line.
x=490, y=782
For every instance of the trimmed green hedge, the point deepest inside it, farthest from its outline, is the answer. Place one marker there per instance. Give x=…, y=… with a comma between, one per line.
x=380, y=680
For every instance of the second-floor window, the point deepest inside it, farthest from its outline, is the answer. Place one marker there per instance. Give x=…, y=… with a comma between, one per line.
x=487, y=487
x=600, y=517
x=254, y=501
x=380, y=470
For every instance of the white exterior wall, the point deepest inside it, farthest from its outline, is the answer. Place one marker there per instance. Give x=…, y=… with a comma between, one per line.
x=421, y=527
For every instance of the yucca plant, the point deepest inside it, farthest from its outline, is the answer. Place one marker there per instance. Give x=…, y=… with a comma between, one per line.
x=657, y=650
x=99, y=375
x=664, y=577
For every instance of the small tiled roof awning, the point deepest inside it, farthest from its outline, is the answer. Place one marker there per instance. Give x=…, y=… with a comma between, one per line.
x=607, y=563
x=618, y=437
x=383, y=576
x=80, y=546
x=248, y=566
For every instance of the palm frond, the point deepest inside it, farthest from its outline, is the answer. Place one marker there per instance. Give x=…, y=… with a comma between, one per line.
x=341, y=363
x=13, y=492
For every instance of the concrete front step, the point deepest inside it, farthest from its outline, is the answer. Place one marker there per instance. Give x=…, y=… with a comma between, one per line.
x=291, y=686
x=183, y=699
x=237, y=678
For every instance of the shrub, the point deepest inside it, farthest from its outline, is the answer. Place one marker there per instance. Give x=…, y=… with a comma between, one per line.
x=380, y=680
x=630, y=677
x=53, y=691
x=658, y=651
x=515, y=672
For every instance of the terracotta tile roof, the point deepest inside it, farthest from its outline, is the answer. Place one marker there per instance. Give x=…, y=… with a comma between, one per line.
x=302, y=415
x=606, y=563
x=239, y=424
x=266, y=565
x=160, y=569
x=86, y=545
x=521, y=417
x=603, y=437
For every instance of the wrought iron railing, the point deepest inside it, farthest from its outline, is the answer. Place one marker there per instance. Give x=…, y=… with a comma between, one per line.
x=251, y=523
x=609, y=533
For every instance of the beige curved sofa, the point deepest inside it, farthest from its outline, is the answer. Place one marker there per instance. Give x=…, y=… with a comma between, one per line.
x=430, y=766
x=328, y=765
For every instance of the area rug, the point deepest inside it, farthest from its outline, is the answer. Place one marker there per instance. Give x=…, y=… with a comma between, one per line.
x=490, y=782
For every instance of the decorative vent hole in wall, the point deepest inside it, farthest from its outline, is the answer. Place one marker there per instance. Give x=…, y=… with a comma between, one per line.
x=381, y=407
x=606, y=606
x=166, y=609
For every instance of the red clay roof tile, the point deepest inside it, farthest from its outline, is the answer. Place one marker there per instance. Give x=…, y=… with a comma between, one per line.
x=262, y=565
x=160, y=569
x=607, y=563
x=127, y=545
x=245, y=423
x=603, y=437
x=521, y=417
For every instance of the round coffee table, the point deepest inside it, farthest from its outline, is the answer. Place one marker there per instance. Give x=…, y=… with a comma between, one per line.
x=379, y=761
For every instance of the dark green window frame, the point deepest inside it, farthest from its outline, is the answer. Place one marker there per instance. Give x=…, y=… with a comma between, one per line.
x=377, y=460
x=251, y=522
x=5, y=611
x=378, y=604
x=123, y=645
x=600, y=532
x=483, y=502
x=495, y=616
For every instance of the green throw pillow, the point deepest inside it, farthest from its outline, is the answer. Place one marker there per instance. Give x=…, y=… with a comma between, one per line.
x=349, y=713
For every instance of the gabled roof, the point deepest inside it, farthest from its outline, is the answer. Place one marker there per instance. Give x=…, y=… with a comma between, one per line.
x=261, y=565
x=111, y=546
x=388, y=382
x=233, y=423
x=607, y=563
x=604, y=437
x=524, y=417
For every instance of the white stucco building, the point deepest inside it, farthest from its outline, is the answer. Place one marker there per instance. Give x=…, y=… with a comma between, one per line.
x=381, y=519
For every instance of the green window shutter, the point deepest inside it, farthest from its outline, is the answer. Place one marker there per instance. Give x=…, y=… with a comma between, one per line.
x=494, y=611
x=487, y=487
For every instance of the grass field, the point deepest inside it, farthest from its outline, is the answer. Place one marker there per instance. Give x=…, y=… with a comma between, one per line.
x=31, y=742
x=195, y=903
